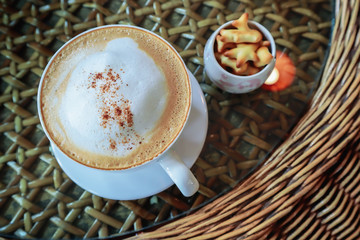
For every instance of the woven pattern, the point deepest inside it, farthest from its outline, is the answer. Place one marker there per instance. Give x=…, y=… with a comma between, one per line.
x=38, y=200
x=309, y=188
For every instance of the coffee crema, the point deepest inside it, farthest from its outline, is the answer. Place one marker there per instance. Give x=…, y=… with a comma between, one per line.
x=114, y=97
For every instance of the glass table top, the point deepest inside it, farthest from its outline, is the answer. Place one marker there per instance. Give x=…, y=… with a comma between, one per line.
x=38, y=200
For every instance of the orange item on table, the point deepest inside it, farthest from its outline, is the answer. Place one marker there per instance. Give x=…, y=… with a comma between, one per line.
x=286, y=70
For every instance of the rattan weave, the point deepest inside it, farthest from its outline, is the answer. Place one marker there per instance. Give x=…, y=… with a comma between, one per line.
x=308, y=187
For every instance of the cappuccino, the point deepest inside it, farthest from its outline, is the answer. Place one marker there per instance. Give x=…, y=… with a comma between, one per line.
x=114, y=97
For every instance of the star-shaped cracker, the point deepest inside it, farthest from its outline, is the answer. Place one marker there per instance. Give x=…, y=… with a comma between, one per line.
x=236, y=36
x=243, y=53
x=264, y=57
x=222, y=46
x=231, y=63
x=242, y=33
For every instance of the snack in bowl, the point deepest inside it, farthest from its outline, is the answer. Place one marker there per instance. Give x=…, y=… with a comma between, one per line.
x=240, y=55
x=242, y=50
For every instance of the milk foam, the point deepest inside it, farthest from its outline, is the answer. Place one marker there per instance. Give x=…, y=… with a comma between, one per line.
x=87, y=106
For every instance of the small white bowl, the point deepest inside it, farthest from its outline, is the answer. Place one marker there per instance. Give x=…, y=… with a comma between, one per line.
x=230, y=82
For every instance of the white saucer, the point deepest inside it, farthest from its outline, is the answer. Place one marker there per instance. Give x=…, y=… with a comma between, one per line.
x=150, y=178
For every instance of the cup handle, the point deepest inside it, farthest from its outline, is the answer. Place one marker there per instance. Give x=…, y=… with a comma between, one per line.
x=179, y=173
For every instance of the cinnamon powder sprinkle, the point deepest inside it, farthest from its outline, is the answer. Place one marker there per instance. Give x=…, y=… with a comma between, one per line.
x=112, y=144
x=114, y=107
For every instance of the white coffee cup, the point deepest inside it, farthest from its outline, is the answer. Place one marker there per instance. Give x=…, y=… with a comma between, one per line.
x=168, y=160
x=230, y=82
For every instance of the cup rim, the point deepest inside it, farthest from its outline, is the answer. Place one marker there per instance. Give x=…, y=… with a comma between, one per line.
x=264, y=32
x=153, y=158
